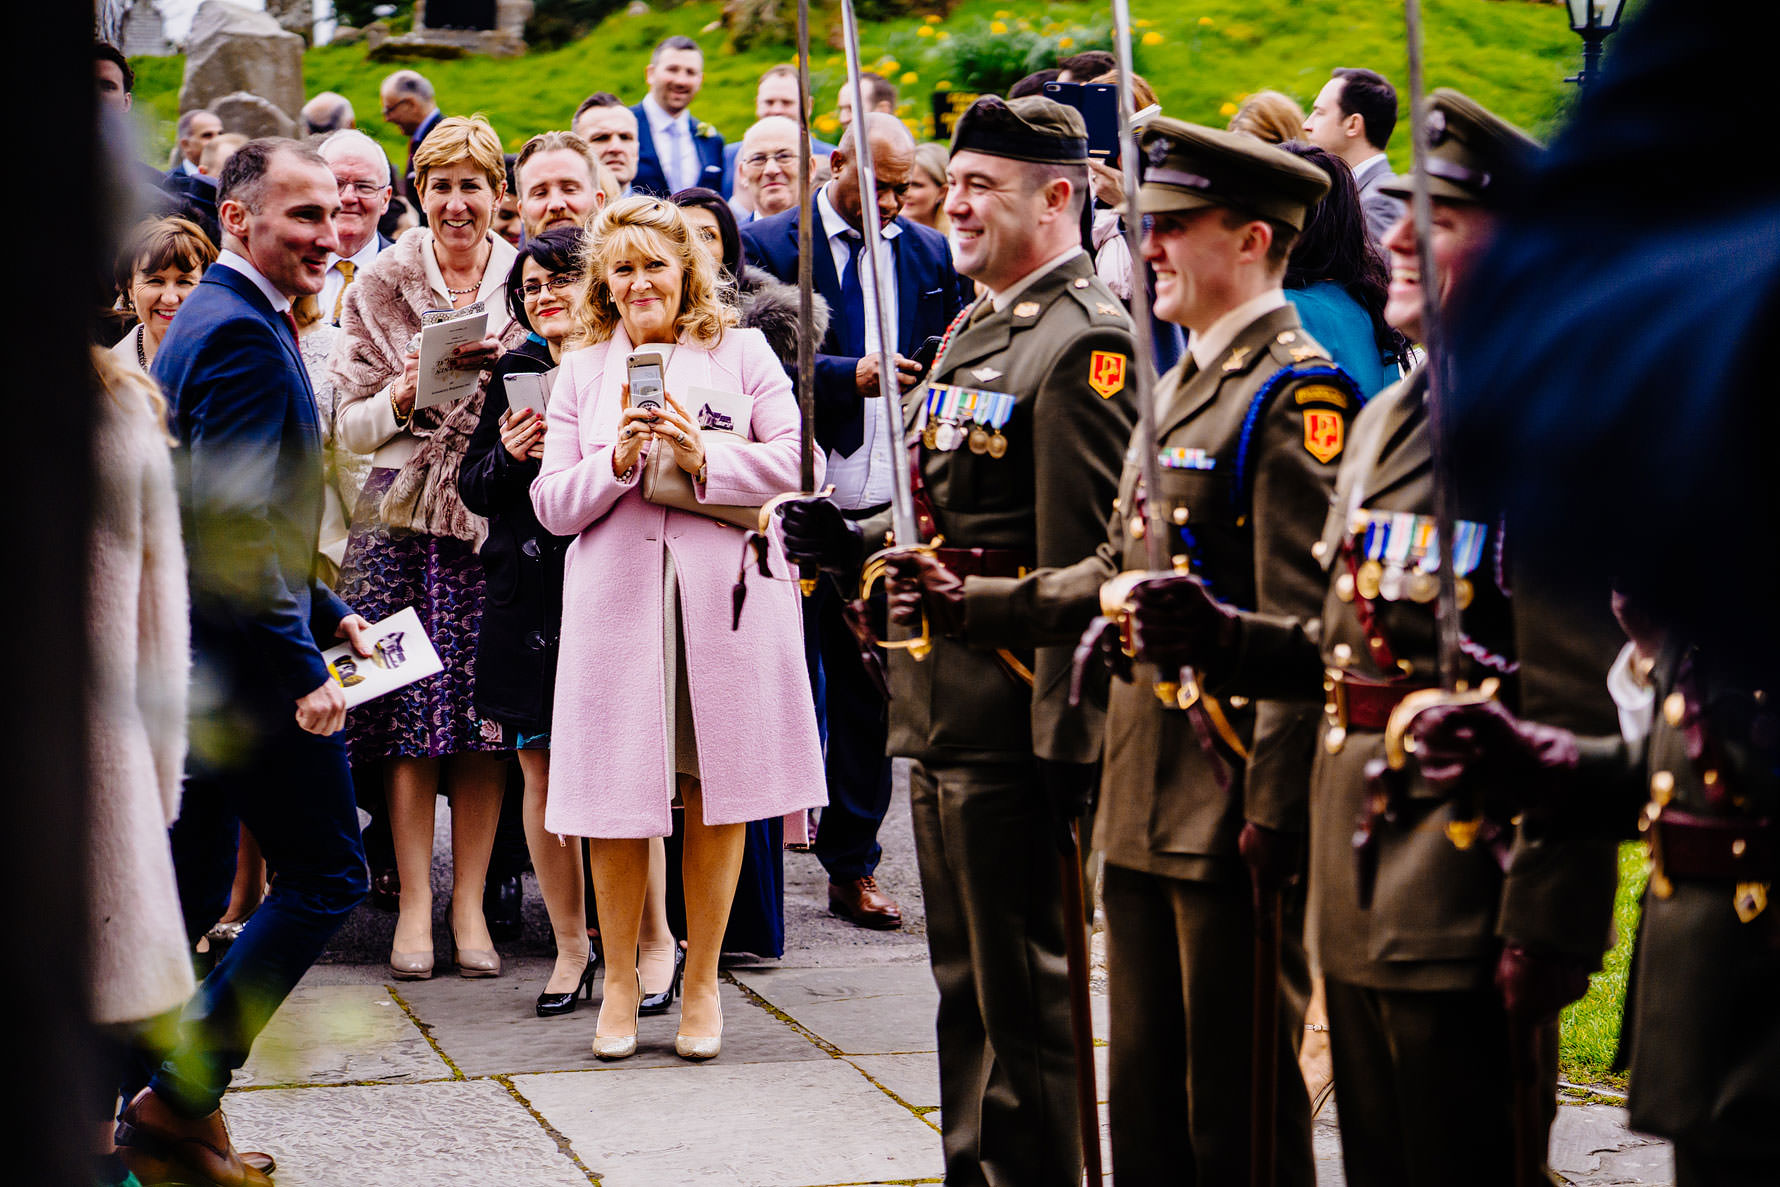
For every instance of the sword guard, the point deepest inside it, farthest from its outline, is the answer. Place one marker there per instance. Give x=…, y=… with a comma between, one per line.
x=1398, y=745
x=805, y=585
x=874, y=570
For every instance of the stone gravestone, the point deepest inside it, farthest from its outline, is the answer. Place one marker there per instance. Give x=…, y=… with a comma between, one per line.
x=444, y=28
x=298, y=16
x=233, y=49
x=142, y=34
x=252, y=116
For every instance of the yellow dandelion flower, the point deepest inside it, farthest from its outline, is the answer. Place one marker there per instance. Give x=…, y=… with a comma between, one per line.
x=923, y=30
x=1143, y=24
x=931, y=19
x=1001, y=14
x=1023, y=23
x=1152, y=38
x=910, y=78
x=827, y=124
x=1205, y=22
x=942, y=35
x=943, y=85
x=1065, y=42
x=888, y=66
x=1227, y=110
x=997, y=27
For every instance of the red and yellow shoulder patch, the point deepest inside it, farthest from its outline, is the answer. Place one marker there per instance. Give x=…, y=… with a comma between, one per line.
x=1324, y=433
x=1106, y=373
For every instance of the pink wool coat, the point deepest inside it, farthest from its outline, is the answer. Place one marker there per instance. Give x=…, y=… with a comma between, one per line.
x=611, y=757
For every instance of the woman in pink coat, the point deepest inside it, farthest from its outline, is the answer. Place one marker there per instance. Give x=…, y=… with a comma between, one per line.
x=655, y=695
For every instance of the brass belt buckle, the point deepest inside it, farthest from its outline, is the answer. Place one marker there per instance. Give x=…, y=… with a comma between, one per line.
x=1334, y=709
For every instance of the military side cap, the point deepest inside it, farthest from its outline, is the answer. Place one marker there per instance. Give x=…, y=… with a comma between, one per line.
x=1030, y=128
x=1187, y=166
x=1473, y=154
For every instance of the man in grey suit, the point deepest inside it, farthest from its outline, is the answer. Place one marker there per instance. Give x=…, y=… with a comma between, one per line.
x=1354, y=116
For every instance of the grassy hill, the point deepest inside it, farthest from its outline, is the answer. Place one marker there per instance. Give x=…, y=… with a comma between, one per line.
x=1202, y=56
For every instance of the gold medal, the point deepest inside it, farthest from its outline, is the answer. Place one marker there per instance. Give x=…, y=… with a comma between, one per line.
x=979, y=439
x=1344, y=587
x=1423, y=587
x=930, y=435
x=997, y=444
x=1466, y=592
x=1366, y=581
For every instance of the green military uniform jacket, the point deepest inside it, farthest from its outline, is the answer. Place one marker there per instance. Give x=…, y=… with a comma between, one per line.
x=1248, y=451
x=1063, y=348
x=1439, y=916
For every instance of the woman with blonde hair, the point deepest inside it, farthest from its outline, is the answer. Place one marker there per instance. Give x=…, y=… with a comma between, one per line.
x=1269, y=116
x=413, y=542
x=925, y=201
x=657, y=698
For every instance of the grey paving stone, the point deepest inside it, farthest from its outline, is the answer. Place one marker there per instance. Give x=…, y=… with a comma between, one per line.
x=884, y=1008
x=914, y=1078
x=340, y=1034
x=761, y=1125
x=487, y=1027
x=392, y=1135
x=1592, y=1147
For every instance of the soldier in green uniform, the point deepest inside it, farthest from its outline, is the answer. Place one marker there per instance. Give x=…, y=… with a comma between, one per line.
x=1426, y=947
x=1016, y=441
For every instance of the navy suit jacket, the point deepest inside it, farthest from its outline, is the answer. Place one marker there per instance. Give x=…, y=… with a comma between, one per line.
x=929, y=294
x=651, y=180
x=250, y=490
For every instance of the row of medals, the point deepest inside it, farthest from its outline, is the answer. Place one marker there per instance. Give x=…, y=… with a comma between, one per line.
x=945, y=436
x=1411, y=572
x=1394, y=583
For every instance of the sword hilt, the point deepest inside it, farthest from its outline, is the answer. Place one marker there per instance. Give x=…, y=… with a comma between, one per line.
x=876, y=565
x=1399, y=744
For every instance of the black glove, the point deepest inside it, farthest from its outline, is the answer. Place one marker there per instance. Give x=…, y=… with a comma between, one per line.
x=1274, y=858
x=1100, y=644
x=1176, y=623
x=816, y=533
x=1535, y=987
x=1068, y=789
x=918, y=581
x=1510, y=764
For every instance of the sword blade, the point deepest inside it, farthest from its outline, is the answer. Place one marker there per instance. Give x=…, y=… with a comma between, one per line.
x=806, y=315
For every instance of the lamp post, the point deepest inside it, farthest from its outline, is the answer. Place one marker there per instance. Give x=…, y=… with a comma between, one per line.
x=1592, y=20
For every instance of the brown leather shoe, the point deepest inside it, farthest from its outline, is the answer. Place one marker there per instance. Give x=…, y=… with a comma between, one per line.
x=860, y=900
x=157, y=1145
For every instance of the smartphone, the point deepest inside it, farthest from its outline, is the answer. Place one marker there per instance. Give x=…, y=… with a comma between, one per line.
x=923, y=358
x=527, y=391
x=1099, y=104
x=646, y=384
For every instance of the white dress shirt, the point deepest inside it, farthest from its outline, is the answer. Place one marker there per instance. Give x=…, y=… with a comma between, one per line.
x=335, y=280
x=862, y=479
x=191, y=169
x=241, y=264
x=673, y=144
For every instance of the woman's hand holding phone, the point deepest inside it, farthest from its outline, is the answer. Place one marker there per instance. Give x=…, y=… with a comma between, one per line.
x=635, y=428
x=523, y=435
x=675, y=426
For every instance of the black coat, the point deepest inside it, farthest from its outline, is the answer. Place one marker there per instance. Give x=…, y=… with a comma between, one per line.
x=522, y=612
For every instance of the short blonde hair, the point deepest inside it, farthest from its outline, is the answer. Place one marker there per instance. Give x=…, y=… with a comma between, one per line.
x=654, y=225
x=456, y=139
x=1269, y=116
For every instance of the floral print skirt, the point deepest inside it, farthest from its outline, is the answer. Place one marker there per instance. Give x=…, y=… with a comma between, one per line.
x=384, y=570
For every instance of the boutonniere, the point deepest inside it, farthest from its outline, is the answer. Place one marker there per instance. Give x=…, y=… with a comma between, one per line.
x=705, y=131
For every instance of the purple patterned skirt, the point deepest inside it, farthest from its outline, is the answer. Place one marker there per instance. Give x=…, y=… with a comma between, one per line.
x=384, y=570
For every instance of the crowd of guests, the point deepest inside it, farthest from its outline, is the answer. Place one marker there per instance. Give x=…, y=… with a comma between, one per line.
x=592, y=684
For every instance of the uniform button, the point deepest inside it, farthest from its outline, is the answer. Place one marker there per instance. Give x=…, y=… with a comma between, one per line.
x=1674, y=708
x=1137, y=529
x=535, y=641
x=1344, y=655
x=1662, y=787
x=1319, y=550
x=1180, y=515
x=531, y=547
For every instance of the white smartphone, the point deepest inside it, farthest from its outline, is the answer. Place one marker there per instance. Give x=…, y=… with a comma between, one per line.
x=646, y=383
x=528, y=390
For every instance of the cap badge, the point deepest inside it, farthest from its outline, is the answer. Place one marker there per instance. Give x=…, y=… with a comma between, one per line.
x=1027, y=309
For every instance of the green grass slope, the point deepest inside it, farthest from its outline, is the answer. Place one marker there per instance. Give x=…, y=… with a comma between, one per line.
x=1202, y=56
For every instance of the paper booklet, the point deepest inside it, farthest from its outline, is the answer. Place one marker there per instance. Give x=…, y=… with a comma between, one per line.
x=441, y=332
x=720, y=411
x=401, y=654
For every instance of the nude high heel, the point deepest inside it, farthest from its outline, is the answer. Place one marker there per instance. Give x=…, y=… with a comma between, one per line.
x=609, y=1047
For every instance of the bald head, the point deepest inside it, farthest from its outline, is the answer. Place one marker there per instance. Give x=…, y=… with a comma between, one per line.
x=407, y=99
x=766, y=168
x=328, y=112
x=892, y=159
x=884, y=129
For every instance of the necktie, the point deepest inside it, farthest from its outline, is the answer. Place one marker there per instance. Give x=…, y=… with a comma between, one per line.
x=852, y=297
x=291, y=321
x=346, y=269
x=677, y=146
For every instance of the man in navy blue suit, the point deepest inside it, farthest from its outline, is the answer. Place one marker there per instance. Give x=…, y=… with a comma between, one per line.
x=925, y=293
x=674, y=150
x=266, y=745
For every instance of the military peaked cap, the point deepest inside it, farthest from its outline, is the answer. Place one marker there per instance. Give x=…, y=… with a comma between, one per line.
x=1030, y=128
x=1474, y=155
x=1187, y=166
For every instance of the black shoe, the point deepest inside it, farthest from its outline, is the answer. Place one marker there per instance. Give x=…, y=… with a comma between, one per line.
x=552, y=1004
x=503, y=903
x=386, y=890
x=658, y=1003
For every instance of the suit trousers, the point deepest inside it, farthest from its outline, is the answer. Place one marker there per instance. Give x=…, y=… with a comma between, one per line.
x=1423, y=1085
x=857, y=766
x=989, y=872
x=1180, y=993
x=293, y=791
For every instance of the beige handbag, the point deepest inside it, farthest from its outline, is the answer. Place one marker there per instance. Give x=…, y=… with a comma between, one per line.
x=667, y=485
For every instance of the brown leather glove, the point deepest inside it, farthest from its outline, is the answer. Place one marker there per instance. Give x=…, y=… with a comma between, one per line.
x=1535, y=987
x=916, y=581
x=1176, y=623
x=1509, y=764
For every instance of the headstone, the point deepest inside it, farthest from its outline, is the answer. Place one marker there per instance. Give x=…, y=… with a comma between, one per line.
x=236, y=49
x=495, y=27
x=297, y=16
x=142, y=34
x=252, y=116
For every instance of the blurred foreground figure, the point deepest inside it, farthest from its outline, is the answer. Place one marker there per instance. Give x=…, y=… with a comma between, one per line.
x=1641, y=406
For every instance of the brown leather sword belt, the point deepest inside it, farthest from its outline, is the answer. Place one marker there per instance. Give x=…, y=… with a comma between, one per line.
x=1714, y=848
x=1355, y=703
x=984, y=562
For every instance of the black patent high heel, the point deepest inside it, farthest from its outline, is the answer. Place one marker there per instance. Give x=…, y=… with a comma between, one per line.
x=550, y=1005
x=659, y=1003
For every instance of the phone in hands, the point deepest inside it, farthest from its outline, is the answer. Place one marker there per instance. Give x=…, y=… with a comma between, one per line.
x=924, y=356
x=1099, y=104
x=647, y=383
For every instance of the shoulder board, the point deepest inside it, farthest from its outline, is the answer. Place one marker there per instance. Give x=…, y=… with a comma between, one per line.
x=1101, y=305
x=1296, y=346
x=1321, y=383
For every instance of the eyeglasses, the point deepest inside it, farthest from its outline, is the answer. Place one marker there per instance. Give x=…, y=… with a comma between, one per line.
x=783, y=160
x=560, y=282
x=363, y=189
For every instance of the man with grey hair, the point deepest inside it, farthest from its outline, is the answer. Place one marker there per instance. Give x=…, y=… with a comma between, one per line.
x=674, y=150
x=363, y=175
x=328, y=112
x=197, y=128
x=766, y=169
x=407, y=99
